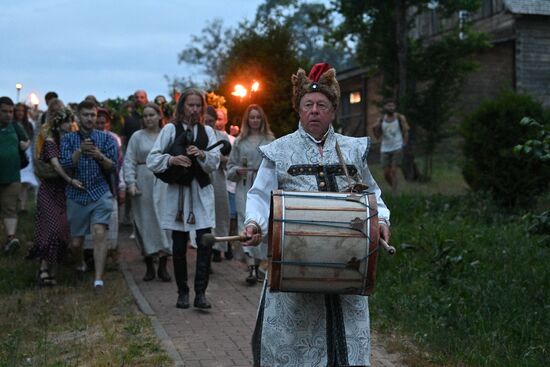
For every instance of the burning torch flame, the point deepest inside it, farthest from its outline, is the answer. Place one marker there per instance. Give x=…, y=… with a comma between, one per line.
x=34, y=99
x=255, y=86
x=239, y=91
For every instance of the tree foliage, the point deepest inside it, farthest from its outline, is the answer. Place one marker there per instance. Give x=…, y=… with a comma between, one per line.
x=538, y=145
x=267, y=56
x=439, y=70
x=490, y=165
x=371, y=25
x=209, y=49
x=311, y=25
x=265, y=50
x=427, y=72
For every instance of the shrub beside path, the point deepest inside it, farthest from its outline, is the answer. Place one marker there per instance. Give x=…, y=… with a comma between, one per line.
x=218, y=337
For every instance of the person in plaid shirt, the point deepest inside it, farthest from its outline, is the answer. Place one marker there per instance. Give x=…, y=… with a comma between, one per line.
x=90, y=156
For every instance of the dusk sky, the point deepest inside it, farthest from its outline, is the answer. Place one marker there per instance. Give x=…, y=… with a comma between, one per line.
x=103, y=47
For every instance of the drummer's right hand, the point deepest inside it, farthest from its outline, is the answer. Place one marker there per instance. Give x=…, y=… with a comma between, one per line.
x=253, y=235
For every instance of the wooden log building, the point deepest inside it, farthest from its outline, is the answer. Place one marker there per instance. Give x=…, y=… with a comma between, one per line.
x=519, y=59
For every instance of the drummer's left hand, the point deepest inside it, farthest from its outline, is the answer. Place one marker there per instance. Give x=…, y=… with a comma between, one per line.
x=385, y=232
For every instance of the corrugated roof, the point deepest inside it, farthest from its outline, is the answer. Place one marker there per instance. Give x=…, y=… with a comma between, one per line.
x=533, y=7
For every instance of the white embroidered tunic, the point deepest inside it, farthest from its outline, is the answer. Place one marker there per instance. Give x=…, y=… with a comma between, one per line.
x=246, y=150
x=221, y=199
x=149, y=205
x=202, y=198
x=303, y=329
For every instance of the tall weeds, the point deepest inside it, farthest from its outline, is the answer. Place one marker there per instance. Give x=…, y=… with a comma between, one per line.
x=469, y=283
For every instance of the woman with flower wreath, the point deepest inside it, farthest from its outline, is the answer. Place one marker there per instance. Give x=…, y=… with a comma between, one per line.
x=242, y=167
x=51, y=235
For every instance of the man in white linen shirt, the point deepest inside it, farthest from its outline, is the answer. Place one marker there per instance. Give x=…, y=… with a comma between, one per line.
x=190, y=205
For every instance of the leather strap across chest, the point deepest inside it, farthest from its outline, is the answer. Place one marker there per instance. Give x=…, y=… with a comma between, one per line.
x=324, y=174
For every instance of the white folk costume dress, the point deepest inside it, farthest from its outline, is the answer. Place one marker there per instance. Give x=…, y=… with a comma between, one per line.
x=27, y=173
x=148, y=206
x=221, y=199
x=201, y=198
x=304, y=329
x=245, y=153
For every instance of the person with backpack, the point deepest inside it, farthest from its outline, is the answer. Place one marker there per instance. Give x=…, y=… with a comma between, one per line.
x=393, y=131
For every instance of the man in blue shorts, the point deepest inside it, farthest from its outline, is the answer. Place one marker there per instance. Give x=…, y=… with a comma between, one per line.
x=393, y=131
x=89, y=155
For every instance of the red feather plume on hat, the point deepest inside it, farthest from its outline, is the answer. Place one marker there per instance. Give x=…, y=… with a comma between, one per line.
x=317, y=70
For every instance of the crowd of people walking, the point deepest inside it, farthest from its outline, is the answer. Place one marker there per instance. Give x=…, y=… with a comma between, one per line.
x=84, y=173
x=176, y=170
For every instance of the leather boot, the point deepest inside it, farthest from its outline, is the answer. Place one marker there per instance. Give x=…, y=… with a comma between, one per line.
x=179, y=260
x=180, y=273
x=203, y=268
x=251, y=278
x=162, y=273
x=183, y=300
x=259, y=275
x=229, y=253
x=201, y=302
x=150, y=273
x=216, y=256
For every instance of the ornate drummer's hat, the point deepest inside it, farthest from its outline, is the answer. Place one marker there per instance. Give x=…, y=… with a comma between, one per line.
x=321, y=78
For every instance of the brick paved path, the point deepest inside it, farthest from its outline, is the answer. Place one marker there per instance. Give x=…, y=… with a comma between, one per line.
x=217, y=337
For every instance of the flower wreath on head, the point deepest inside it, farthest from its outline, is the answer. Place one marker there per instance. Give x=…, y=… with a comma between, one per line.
x=51, y=125
x=60, y=117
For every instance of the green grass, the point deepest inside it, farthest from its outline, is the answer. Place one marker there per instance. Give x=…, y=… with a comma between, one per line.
x=446, y=178
x=469, y=285
x=69, y=325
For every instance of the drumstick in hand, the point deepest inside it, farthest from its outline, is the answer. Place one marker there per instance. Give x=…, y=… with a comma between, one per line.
x=387, y=247
x=208, y=239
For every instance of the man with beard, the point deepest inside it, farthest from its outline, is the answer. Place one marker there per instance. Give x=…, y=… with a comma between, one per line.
x=190, y=205
x=89, y=155
x=393, y=131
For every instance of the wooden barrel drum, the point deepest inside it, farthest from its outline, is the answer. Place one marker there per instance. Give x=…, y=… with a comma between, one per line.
x=323, y=242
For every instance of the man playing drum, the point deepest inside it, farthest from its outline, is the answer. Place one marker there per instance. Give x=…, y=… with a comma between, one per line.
x=311, y=329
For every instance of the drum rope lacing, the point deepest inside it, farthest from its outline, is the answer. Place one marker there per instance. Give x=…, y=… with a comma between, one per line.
x=340, y=198
x=353, y=263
